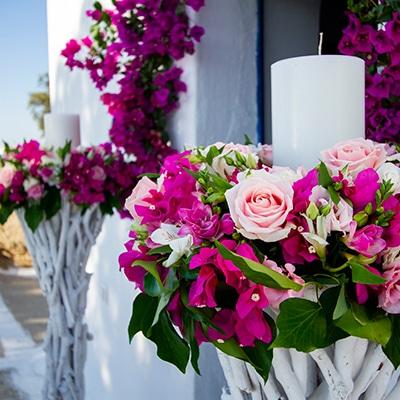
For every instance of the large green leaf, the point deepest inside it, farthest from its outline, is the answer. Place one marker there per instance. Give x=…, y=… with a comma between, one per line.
x=5, y=211
x=357, y=322
x=257, y=272
x=34, y=215
x=170, y=346
x=341, y=305
x=361, y=274
x=260, y=356
x=301, y=325
x=51, y=202
x=151, y=267
x=392, y=347
x=231, y=348
x=143, y=311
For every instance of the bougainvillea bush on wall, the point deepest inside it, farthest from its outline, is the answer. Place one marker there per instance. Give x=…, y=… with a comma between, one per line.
x=136, y=44
x=251, y=257
x=373, y=33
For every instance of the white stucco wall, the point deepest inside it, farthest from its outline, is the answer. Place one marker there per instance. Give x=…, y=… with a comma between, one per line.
x=220, y=105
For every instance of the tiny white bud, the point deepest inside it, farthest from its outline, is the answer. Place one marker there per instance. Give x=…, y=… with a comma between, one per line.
x=312, y=250
x=220, y=341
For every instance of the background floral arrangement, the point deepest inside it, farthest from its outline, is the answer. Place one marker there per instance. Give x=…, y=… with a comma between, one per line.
x=137, y=44
x=373, y=34
x=252, y=257
x=37, y=179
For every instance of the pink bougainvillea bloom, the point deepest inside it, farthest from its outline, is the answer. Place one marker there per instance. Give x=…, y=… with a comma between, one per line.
x=250, y=299
x=225, y=320
x=367, y=240
x=202, y=291
x=302, y=191
x=363, y=190
x=253, y=327
x=30, y=151
x=195, y=4
x=392, y=233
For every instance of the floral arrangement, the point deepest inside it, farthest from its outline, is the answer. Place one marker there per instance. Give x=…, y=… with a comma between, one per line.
x=251, y=257
x=37, y=179
x=136, y=44
x=373, y=34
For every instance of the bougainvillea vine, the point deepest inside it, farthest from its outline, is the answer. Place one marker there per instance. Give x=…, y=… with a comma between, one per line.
x=373, y=33
x=136, y=45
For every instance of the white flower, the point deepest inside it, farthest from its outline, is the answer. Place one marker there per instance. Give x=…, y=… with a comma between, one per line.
x=30, y=182
x=339, y=217
x=232, y=151
x=286, y=174
x=389, y=171
x=167, y=234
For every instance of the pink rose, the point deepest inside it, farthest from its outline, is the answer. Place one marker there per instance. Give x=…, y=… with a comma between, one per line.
x=265, y=154
x=259, y=205
x=389, y=296
x=138, y=196
x=35, y=192
x=6, y=175
x=356, y=155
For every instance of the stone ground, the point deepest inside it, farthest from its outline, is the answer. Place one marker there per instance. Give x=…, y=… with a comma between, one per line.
x=23, y=298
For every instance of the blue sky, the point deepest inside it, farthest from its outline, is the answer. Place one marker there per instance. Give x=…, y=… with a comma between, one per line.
x=23, y=46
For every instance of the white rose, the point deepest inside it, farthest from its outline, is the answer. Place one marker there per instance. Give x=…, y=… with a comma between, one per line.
x=389, y=171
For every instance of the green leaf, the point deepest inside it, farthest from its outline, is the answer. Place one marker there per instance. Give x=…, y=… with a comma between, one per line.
x=151, y=286
x=301, y=325
x=324, y=177
x=170, y=346
x=151, y=267
x=143, y=311
x=357, y=322
x=329, y=300
x=247, y=140
x=63, y=151
x=231, y=348
x=334, y=195
x=149, y=175
x=341, y=305
x=163, y=302
x=360, y=274
x=260, y=357
x=392, y=347
x=34, y=215
x=257, y=272
x=5, y=211
x=51, y=202
x=213, y=152
x=160, y=250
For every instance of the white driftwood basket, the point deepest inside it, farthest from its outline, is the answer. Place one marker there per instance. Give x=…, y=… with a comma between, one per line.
x=60, y=248
x=351, y=369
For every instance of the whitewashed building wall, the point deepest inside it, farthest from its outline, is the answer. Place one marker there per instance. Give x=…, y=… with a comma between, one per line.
x=220, y=105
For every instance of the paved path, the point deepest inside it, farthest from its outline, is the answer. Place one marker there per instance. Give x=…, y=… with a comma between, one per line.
x=23, y=318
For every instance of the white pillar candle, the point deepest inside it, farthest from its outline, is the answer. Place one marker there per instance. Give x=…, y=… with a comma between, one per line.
x=60, y=128
x=317, y=101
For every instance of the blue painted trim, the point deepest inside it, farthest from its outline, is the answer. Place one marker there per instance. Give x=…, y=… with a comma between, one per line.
x=260, y=72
